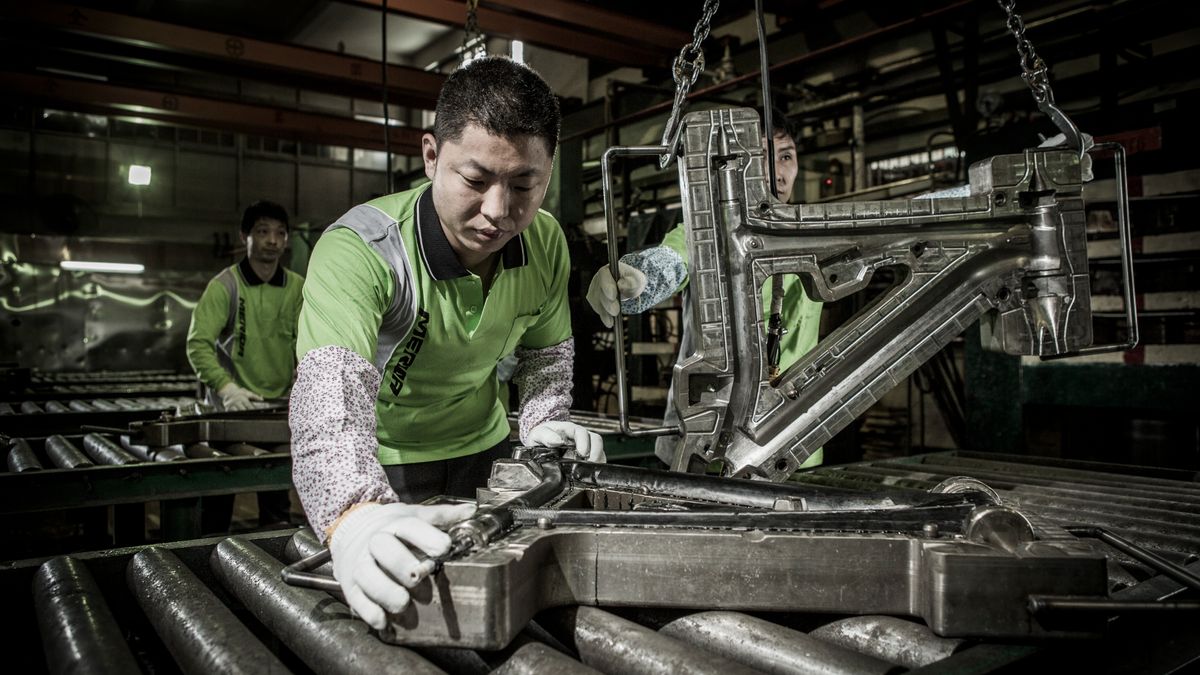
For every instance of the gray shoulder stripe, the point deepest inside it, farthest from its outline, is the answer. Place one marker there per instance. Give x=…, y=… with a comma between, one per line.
x=382, y=233
x=368, y=221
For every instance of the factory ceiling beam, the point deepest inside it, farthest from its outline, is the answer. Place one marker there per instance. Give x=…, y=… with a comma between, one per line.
x=790, y=65
x=621, y=46
x=591, y=17
x=256, y=119
x=407, y=86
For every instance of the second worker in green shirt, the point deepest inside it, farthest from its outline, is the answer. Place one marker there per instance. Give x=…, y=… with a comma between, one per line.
x=411, y=301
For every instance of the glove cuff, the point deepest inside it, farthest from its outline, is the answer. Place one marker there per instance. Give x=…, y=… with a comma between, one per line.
x=358, y=519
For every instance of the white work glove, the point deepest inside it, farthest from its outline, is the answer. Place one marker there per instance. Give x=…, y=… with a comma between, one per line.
x=587, y=445
x=1085, y=162
x=372, y=559
x=602, y=292
x=234, y=397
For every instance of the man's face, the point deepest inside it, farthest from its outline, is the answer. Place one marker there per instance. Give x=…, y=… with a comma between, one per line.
x=486, y=189
x=786, y=166
x=266, y=241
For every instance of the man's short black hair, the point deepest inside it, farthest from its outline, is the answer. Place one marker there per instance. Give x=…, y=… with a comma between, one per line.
x=502, y=96
x=782, y=126
x=262, y=209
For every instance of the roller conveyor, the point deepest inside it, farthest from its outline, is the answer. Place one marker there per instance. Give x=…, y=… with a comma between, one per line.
x=305, y=629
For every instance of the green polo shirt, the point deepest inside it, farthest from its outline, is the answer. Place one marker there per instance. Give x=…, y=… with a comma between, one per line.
x=801, y=318
x=384, y=282
x=252, y=343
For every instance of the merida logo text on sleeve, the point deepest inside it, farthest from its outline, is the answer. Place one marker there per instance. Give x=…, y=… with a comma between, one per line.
x=409, y=355
x=241, y=333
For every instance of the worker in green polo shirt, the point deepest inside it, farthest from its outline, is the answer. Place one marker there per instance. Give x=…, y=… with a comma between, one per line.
x=411, y=301
x=652, y=275
x=242, y=340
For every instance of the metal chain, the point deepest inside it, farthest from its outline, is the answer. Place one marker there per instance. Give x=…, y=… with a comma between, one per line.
x=1035, y=70
x=686, y=70
x=1035, y=74
x=471, y=31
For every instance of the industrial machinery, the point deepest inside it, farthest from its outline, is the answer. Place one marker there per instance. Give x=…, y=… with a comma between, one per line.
x=551, y=533
x=220, y=603
x=68, y=471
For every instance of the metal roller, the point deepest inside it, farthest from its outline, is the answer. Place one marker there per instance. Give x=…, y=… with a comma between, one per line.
x=79, y=633
x=536, y=658
x=303, y=544
x=149, y=454
x=21, y=457
x=64, y=454
x=201, y=451
x=769, y=647
x=5, y=409
x=105, y=405
x=906, y=643
x=81, y=406
x=104, y=451
x=611, y=644
x=201, y=633
x=56, y=407
x=317, y=628
x=31, y=408
x=245, y=450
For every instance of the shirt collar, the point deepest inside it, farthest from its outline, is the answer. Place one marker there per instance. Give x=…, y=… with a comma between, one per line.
x=252, y=279
x=440, y=260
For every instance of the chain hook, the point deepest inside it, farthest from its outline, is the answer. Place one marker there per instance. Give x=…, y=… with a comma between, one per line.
x=1035, y=72
x=686, y=70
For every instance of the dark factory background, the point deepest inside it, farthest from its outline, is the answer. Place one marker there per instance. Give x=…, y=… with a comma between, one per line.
x=134, y=133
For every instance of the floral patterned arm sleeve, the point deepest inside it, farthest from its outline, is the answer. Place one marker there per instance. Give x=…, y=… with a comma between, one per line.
x=543, y=379
x=332, y=418
x=665, y=271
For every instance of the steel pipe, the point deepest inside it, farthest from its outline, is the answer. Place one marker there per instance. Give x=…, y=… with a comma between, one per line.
x=201, y=451
x=81, y=406
x=737, y=492
x=149, y=454
x=21, y=457
x=105, y=451
x=31, y=408
x=611, y=644
x=56, y=407
x=771, y=648
x=79, y=633
x=899, y=641
x=535, y=658
x=948, y=518
x=244, y=449
x=317, y=628
x=201, y=633
x=64, y=454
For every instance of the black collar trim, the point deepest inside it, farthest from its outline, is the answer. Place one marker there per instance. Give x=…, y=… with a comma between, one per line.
x=252, y=279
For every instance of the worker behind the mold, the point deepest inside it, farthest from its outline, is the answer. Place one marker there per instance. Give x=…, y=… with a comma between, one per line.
x=652, y=275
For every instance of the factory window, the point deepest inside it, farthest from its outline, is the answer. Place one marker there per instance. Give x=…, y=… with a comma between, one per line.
x=61, y=120
x=370, y=159
x=204, y=137
x=330, y=152
x=914, y=164
x=269, y=145
x=141, y=129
